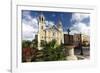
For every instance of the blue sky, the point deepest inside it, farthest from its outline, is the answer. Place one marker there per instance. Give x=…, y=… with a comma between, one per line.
x=77, y=22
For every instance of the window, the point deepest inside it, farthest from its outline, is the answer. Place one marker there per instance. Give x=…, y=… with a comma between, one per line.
x=42, y=19
x=41, y=27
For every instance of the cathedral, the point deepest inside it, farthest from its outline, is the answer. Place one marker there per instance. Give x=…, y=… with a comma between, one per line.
x=48, y=33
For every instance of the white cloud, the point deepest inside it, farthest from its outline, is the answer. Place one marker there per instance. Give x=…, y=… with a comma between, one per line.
x=79, y=26
x=78, y=17
x=29, y=26
x=34, y=22
x=49, y=23
x=28, y=32
x=26, y=15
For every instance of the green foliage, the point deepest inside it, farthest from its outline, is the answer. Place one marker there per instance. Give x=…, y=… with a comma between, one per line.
x=34, y=43
x=31, y=47
x=53, y=52
x=26, y=44
x=29, y=44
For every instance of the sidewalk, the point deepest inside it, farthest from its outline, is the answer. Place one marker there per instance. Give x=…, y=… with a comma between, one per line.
x=86, y=53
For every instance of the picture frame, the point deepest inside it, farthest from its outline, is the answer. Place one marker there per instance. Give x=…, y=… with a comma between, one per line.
x=18, y=9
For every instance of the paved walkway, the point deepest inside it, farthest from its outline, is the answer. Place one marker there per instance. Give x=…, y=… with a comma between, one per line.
x=86, y=53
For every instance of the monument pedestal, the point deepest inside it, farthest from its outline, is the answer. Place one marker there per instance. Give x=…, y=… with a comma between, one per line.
x=70, y=52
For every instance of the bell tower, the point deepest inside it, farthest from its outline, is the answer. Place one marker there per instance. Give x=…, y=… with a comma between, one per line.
x=41, y=32
x=41, y=22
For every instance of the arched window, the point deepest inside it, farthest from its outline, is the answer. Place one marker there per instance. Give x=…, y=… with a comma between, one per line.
x=42, y=19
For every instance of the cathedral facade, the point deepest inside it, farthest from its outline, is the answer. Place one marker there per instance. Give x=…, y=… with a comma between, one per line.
x=50, y=32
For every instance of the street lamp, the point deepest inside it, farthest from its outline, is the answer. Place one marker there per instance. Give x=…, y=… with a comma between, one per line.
x=80, y=45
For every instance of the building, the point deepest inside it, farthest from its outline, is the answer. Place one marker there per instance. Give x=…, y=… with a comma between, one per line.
x=68, y=39
x=81, y=38
x=76, y=39
x=48, y=33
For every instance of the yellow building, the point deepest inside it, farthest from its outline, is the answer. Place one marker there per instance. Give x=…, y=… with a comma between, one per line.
x=81, y=38
x=49, y=33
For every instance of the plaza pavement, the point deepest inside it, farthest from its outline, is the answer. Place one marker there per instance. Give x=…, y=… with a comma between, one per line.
x=86, y=53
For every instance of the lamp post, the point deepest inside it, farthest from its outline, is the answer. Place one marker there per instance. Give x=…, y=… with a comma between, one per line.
x=80, y=45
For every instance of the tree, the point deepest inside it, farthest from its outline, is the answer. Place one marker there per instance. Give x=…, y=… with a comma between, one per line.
x=52, y=51
x=29, y=50
x=26, y=44
x=34, y=43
